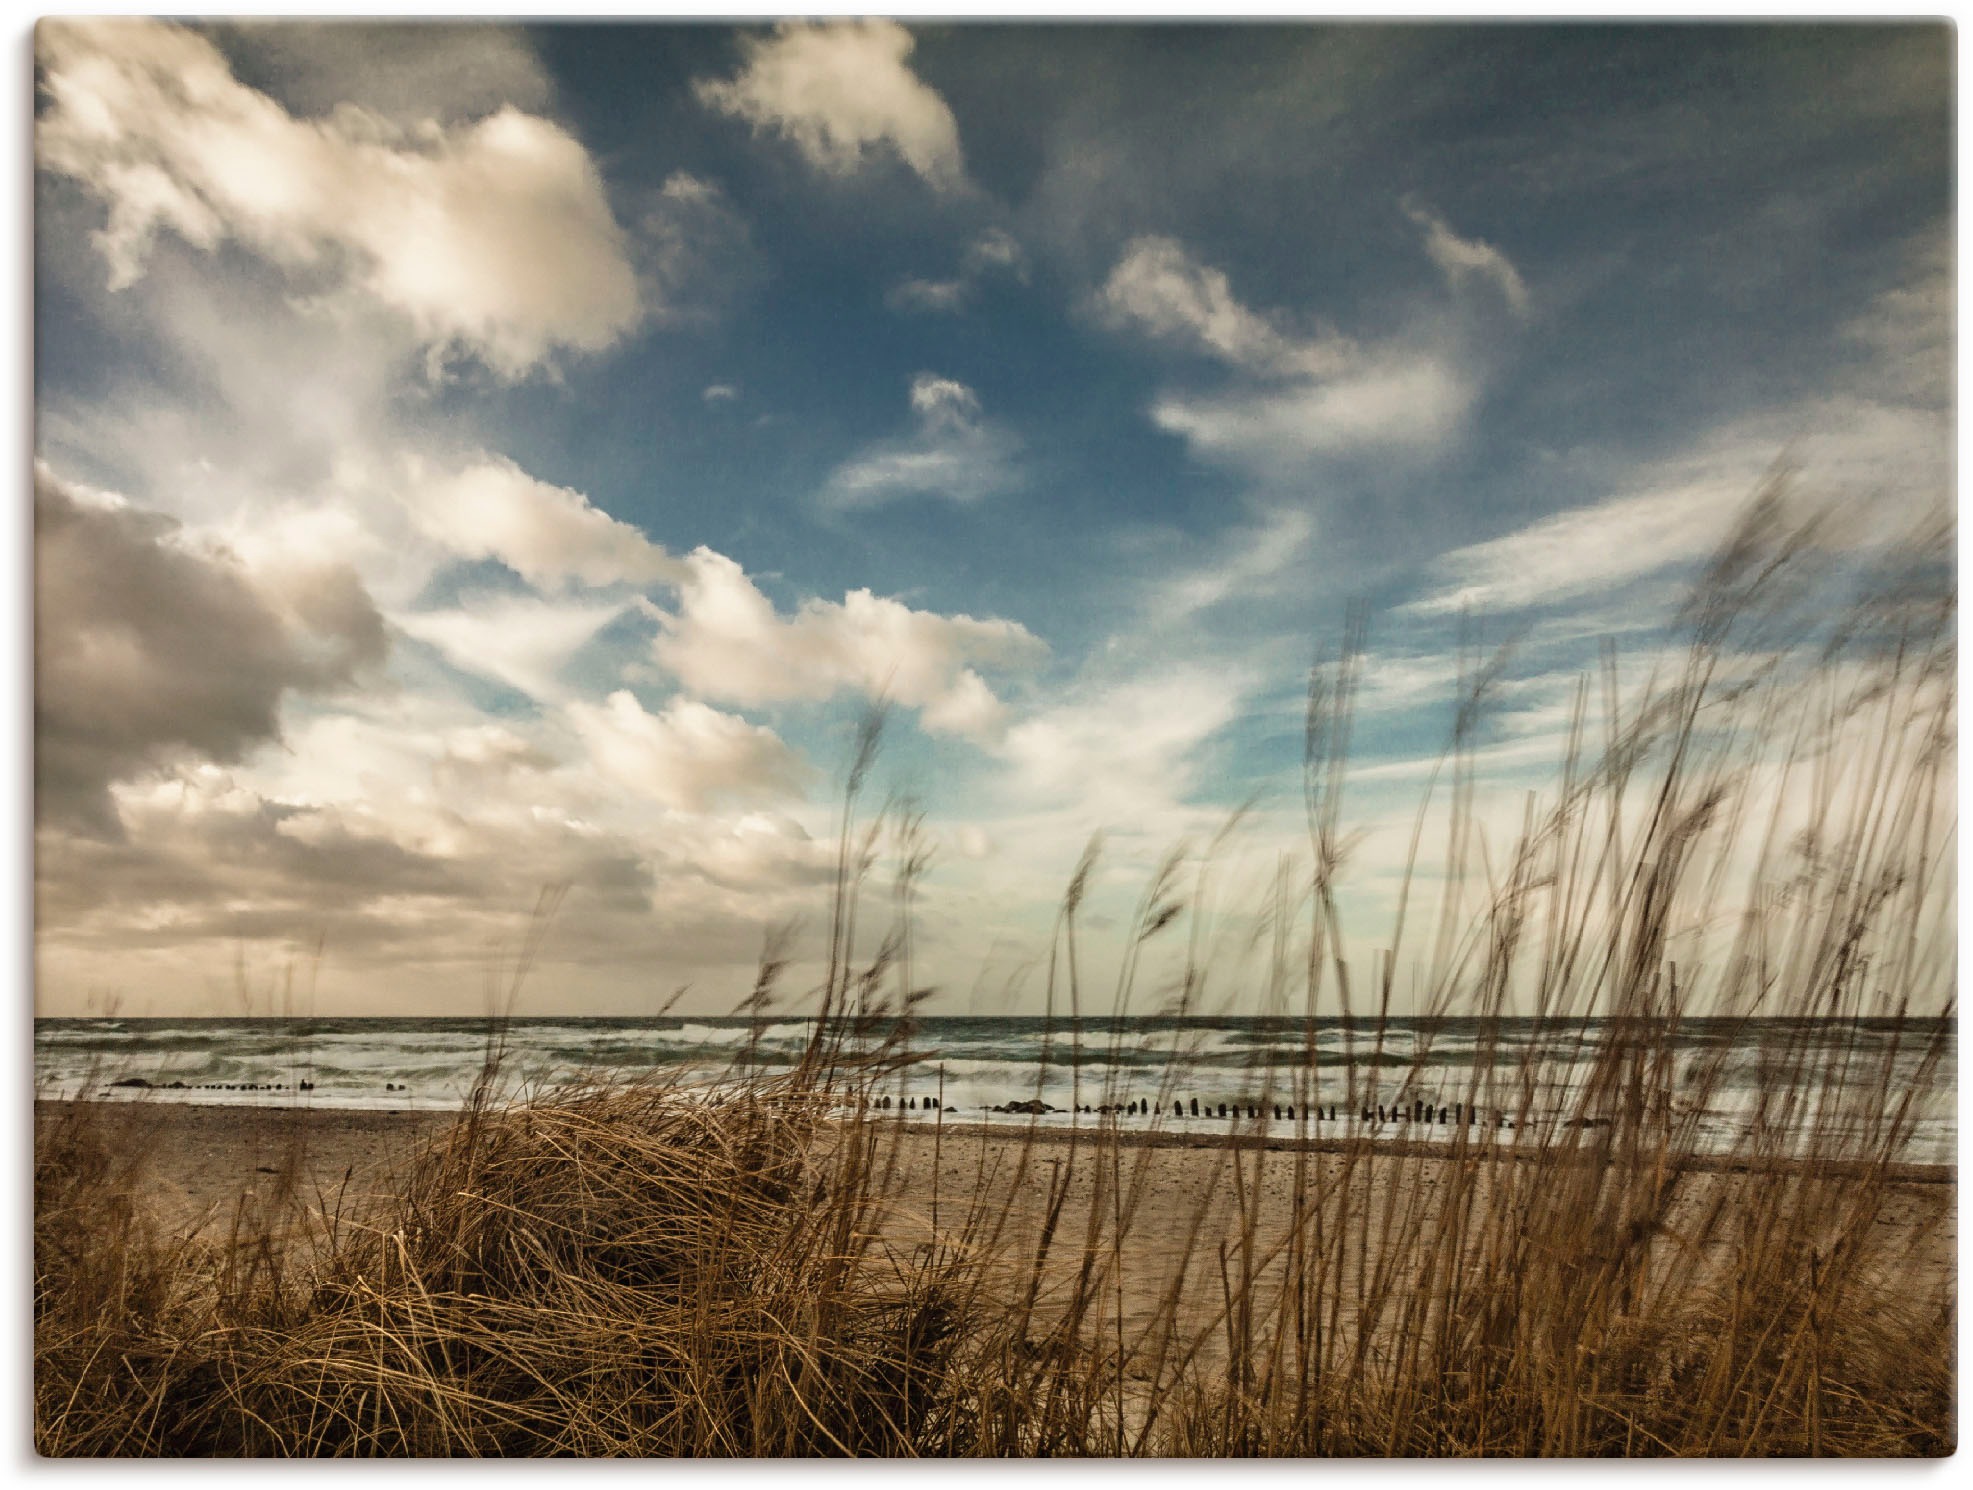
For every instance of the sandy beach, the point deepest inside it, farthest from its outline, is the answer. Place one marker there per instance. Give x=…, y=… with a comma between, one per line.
x=191, y=1166
x=1193, y=1250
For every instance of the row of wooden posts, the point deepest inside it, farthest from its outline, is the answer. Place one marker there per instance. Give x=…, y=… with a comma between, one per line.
x=1458, y=1114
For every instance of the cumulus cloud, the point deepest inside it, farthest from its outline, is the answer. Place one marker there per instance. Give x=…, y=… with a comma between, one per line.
x=547, y=534
x=839, y=91
x=1296, y=394
x=492, y=237
x=688, y=756
x=952, y=451
x=416, y=849
x=151, y=647
x=213, y=863
x=1467, y=260
x=727, y=642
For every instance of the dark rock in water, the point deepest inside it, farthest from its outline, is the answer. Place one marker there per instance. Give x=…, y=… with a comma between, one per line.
x=1033, y=1106
x=136, y=1081
x=175, y=1086
x=308, y=1086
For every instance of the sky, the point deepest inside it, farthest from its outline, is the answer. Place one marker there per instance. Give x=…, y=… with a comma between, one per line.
x=487, y=475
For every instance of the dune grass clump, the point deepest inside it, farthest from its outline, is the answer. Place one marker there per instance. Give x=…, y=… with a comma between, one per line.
x=629, y=1271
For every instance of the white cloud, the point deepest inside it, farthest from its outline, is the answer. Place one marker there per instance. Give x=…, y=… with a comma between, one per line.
x=547, y=534
x=1585, y=550
x=940, y=296
x=1401, y=401
x=839, y=90
x=521, y=641
x=1908, y=328
x=492, y=237
x=1123, y=755
x=995, y=251
x=1255, y=557
x=1296, y=395
x=720, y=393
x=1462, y=260
x=727, y=642
x=692, y=248
x=1877, y=471
x=688, y=756
x=953, y=451
x=996, y=248
x=1159, y=289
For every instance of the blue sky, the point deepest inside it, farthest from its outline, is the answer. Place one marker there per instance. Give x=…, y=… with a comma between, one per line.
x=477, y=458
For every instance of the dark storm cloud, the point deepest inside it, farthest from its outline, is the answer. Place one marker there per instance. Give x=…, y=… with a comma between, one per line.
x=149, y=650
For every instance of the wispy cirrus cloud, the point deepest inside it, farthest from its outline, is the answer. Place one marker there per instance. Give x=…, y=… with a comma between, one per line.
x=1585, y=550
x=1468, y=260
x=1296, y=394
x=1872, y=447
x=994, y=252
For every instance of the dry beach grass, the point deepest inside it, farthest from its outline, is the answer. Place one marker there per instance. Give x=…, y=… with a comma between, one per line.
x=790, y=1270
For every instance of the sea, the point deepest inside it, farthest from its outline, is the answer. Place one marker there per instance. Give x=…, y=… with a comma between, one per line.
x=1732, y=1077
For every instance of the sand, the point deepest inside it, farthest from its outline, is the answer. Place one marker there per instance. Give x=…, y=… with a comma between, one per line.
x=193, y=1164
x=979, y=1185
